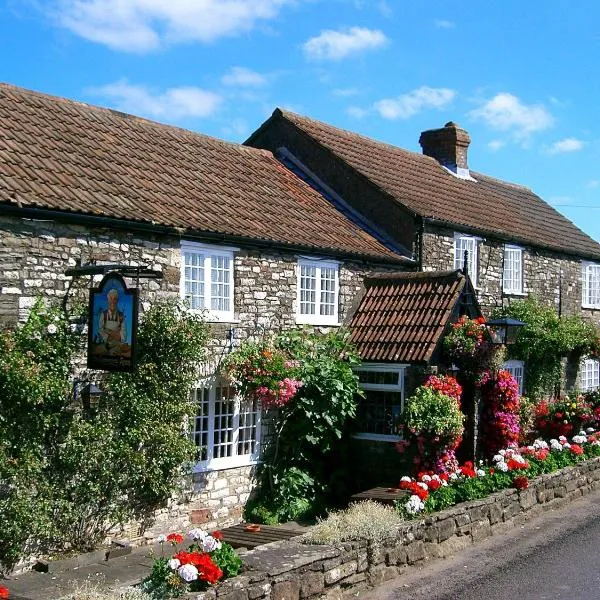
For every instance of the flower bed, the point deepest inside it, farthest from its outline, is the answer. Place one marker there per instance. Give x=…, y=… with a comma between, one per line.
x=510, y=467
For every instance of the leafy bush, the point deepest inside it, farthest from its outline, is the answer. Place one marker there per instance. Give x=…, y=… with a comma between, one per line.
x=366, y=520
x=66, y=475
x=562, y=416
x=302, y=466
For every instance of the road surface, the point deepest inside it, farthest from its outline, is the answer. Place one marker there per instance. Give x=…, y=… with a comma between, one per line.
x=554, y=556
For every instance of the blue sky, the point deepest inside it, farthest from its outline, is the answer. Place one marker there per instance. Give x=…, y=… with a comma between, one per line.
x=521, y=77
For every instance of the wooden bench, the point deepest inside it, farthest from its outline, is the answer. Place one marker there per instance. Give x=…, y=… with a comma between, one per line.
x=239, y=537
x=383, y=495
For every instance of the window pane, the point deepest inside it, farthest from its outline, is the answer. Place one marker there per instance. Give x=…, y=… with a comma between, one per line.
x=591, y=285
x=220, y=287
x=223, y=421
x=378, y=377
x=308, y=289
x=470, y=245
x=200, y=433
x=590, y=375
x=378, y=412
x=327, y=305
x=247, y=428
x=512, y=270
x=194, y=279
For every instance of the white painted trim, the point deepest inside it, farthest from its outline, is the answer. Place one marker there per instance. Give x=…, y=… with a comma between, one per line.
x=585, y=265
x=512, y=291
x=318, y=319
x=209, y=251
x=473, y=273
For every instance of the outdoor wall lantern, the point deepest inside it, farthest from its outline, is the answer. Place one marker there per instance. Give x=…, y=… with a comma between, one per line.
x=504, y=331
x=90, y=396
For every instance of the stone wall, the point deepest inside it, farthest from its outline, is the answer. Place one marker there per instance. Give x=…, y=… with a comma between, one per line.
x=34, y=256
x=290, y=570
x=554, y=278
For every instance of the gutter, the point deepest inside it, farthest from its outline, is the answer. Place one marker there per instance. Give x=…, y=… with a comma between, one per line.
x=201, y=236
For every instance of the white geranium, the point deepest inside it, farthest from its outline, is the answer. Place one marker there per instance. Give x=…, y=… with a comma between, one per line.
x=480, y=473
x=188, y=573
x=197, y=534
x=405, y=478
x=540, y=444
x=453, y=476
x=502, y=452
x=596, y=443
x=555, y=445
x=161, y=539
x=580, y=439
x=174, y=564
x=422, y=485
x=566, y=445
x=590, y=430
x=52, y=329
x=414, y=505
x=502, y=466
x=209, y=544
x=498, y=458
x=562, y=438
x=426, y=478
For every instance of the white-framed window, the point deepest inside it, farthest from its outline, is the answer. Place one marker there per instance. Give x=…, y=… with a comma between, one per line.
x=318, y=292
x=207, y=279
x=470, y=244
x=517, y=369
x=590, y=285
x=512, y=274
x=226, y=427
x=378, y=411
x=589, y=374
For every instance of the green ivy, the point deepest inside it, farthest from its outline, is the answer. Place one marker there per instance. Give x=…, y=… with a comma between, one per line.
x=545, y=340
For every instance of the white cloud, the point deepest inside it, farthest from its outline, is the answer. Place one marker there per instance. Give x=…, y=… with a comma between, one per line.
x=243, y=77
x=357, y=112
x=143, y=25
x=171, y=104
x=495, y=145
x=505, y=112
x=336, y=45
x=407, y=105
x=443, y=24
x=344, y=92
x=593, y=184
x=566, y=145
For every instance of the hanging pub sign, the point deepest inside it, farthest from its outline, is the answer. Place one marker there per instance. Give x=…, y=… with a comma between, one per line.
x=112, y=325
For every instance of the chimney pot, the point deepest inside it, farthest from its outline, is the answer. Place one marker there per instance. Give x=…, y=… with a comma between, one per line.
x=448, y=145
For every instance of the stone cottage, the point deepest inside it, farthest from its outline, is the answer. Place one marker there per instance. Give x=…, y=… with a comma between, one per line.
x=434, y=204
x=234, y=232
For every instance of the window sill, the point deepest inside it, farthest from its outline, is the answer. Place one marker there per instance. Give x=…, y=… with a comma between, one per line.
x=304, y=321
x=512, y=293
x=377, y=437
x=224, y=464
x=213, y=317
x=591, y=306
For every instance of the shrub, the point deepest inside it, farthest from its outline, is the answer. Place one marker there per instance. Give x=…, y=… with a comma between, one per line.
x=302, y=467
x=66, y=475
x=366, y=520
x=563, y=416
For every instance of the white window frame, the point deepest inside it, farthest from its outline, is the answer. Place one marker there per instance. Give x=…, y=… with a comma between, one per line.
x=399, y=387
x=317, y=318
x=208, y=252
x=513, y=285
x=236, y=460
x=459, y=256
x=589, y=374
x=513, y=367
x=590, y=270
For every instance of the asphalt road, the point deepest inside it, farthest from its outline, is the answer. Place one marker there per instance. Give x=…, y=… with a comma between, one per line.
x=551, y=557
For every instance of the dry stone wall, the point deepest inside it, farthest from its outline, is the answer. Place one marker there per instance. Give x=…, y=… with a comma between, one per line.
x=34, y=256
x=290, y=570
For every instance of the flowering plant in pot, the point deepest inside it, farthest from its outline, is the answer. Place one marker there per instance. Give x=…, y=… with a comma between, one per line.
x=263, y=372
x=432, y=424
x=207, y=561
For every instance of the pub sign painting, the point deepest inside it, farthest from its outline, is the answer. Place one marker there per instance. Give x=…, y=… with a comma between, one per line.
x=112, y=325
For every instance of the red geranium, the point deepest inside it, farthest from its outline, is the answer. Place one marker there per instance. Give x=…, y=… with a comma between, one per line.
x=468, y=470
x=576, y=449
x=521, y=482
x=4, y=593
x=434, y=484
x=514, y=465
x=218, y=535
x=175, y=538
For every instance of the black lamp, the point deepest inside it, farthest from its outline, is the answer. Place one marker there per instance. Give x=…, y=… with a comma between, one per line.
x=504, y=331
x=90, y=396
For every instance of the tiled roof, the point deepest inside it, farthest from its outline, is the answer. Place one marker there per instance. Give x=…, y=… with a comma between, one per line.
x=61, y=155
x=421, y=184
x=402, y=317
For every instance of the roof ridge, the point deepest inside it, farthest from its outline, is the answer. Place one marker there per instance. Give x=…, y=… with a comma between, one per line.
x=132, y=117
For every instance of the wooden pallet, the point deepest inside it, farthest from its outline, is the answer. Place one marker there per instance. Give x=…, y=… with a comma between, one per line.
x=383, y=495
x=239, y=537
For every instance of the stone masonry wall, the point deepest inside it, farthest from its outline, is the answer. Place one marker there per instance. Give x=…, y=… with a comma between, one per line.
x=290, y=570
x=34, y=256
x=554, y=278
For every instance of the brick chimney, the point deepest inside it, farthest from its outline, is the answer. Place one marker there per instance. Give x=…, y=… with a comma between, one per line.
x=448, y=146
